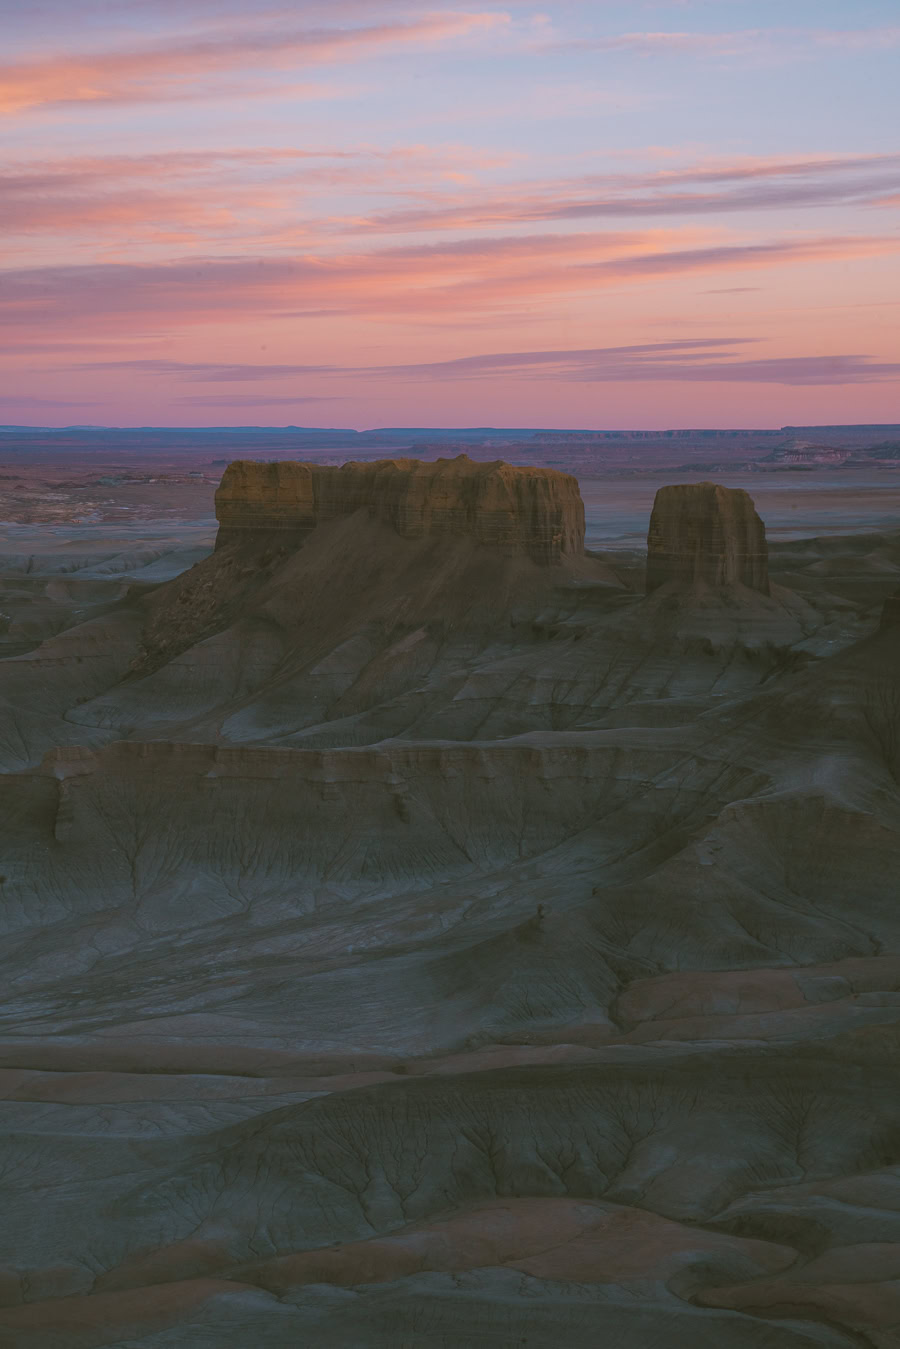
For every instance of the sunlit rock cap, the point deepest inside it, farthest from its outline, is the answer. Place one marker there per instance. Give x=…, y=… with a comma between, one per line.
x=534, y=511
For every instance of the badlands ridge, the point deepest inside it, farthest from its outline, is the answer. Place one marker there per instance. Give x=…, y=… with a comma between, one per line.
x=419, y=930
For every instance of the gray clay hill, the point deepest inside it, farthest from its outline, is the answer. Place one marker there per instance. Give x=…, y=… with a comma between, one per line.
x=421, y=931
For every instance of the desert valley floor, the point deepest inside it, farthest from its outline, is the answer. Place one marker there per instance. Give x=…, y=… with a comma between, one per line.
x=409, y=942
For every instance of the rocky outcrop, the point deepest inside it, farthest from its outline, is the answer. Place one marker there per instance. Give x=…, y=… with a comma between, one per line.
x=890, y=611
x=532, y=511
x=701, y=532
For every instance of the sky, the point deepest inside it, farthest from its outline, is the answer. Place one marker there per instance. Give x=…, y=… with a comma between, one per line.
x=582, y=213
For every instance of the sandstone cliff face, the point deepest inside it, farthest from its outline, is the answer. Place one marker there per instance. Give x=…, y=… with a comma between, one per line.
x=534, y=511
x=707, y=533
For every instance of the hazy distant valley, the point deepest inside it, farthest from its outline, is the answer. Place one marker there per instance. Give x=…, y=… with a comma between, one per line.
x=99, y=476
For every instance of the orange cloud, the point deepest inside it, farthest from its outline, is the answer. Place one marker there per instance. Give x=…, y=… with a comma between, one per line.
x=472, y=278
x=188, y=68
x=245, y=192
x=276, y=198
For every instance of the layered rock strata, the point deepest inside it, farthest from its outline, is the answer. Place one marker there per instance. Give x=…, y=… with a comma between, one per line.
x=701, y=532
x=533, y=511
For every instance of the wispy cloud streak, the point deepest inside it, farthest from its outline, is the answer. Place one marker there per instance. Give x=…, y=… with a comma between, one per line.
x=188, y=67
x=780, y=41
x=218, y=192
x=697, y=190
x=699, y=360
x=405, y=282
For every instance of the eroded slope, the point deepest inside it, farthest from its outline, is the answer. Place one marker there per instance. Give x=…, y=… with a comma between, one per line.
x=407, y=940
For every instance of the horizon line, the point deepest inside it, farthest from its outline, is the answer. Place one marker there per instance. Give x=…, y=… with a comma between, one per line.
x=12, y=428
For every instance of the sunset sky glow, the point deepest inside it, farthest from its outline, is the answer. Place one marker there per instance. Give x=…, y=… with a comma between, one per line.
x=382, y=213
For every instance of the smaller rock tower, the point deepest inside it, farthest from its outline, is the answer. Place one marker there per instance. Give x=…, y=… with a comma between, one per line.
x=701, y=532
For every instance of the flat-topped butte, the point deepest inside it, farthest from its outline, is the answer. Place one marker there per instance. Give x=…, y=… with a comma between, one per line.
x=532, y=511
x=704, y=533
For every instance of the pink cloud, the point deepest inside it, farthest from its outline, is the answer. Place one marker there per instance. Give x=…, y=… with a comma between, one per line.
x=188, y=67
x=276, y=198
x=742, y=185
x=412, y=282
x=219, y=192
